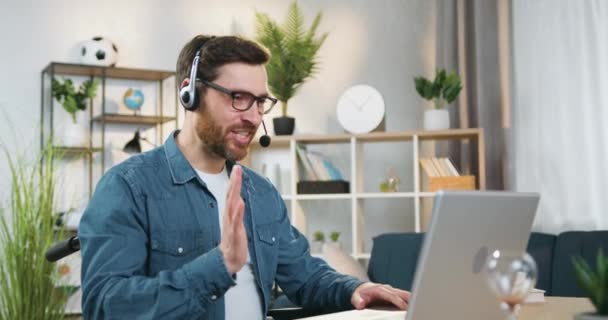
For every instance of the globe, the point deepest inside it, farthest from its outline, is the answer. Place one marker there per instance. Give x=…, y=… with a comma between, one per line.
x=133, y=99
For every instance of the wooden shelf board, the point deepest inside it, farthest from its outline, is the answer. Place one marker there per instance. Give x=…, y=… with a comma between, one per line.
x=382, y=195
x=328, y=196
x=275, y=142
x=378, y=136
x=75, y=151
x=334, y=138
x=132, y=119
x=449, y=134
x=72, y=69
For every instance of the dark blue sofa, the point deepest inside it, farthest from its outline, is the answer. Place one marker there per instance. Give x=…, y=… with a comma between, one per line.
x=394, y=258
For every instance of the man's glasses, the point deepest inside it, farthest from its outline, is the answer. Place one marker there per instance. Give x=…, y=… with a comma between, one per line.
x=242, y=101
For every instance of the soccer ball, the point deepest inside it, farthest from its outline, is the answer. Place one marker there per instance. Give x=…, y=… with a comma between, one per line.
x=98, y=51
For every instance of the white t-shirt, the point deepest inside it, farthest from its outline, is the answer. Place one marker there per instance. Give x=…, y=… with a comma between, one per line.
x=242, y=301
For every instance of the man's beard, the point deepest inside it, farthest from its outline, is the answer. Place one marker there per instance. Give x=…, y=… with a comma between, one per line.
x=211, y=134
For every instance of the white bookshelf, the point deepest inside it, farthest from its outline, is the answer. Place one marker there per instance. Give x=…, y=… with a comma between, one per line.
x=284, y=148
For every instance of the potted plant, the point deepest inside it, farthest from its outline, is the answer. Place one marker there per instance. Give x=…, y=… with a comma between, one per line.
x=72, y=100
x=334, y=236
x=317, y=242
x=27, y=281
x=595, y=285
x=443, y=90
x=294, y=57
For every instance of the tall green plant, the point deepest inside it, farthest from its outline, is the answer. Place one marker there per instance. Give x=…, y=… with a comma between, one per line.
x=443, y=90
x=594, y=283
x=294, y=51
x=27, y=289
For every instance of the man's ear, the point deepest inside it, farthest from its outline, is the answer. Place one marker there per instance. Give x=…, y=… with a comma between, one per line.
x=184, y=83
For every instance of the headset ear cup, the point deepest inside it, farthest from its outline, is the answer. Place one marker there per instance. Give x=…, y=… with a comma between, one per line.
x=195, y=99
x=188, y=97
x=184, y=96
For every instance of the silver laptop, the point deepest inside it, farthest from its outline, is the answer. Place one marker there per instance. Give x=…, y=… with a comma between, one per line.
x=465, y=227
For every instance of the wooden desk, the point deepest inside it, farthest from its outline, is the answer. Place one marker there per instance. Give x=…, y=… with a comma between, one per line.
x=555, y=308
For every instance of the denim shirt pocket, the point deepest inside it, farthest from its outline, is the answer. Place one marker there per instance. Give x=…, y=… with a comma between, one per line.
x=268, y=251
x=171, y=249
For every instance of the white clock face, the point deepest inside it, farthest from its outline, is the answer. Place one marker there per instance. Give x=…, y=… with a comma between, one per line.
x=360, y=109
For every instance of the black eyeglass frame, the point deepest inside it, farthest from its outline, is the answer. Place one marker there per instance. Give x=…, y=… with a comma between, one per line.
x=233, y=93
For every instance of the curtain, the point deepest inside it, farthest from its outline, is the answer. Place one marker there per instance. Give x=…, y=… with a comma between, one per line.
x=560, y=51
x=474, y=39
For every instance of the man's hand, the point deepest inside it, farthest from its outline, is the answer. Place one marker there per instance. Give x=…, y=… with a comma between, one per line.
x=234, y=236
x=373, y=294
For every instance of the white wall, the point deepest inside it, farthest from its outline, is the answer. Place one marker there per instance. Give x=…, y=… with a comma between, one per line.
x=381, y=43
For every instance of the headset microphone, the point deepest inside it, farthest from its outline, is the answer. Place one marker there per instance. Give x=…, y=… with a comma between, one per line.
x=265, y=139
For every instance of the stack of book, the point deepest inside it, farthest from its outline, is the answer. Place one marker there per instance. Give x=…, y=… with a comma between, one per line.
x=319, y=174
x=441, y=174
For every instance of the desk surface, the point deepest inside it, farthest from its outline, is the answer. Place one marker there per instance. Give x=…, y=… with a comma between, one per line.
x=554, y=308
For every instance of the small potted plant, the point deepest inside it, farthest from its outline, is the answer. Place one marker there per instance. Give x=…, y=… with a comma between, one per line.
x=335, y=236
x=75, y=133
x=317, y=242
x=294, y=57
x=594, y=284
x=443, y=90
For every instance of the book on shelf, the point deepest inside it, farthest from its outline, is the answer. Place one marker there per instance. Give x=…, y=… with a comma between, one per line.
x=309, y=173
x=428, y=167
x=440, y=173
x=439, y=167
x=450, y=166
x=316, y=166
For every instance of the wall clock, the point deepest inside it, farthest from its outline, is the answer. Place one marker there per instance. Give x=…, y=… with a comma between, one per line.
x=360, y=109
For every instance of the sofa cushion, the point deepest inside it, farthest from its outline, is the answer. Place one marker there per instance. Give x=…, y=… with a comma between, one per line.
x=394, y=258
x=540, y=247
x=575, y=243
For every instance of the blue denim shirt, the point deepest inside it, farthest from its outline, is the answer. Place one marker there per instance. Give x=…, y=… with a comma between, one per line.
x=150, y=237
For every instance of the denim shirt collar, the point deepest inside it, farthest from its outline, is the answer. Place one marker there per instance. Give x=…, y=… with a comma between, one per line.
x=181, y=170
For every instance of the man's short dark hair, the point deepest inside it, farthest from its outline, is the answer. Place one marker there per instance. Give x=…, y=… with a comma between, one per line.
x=216, y=52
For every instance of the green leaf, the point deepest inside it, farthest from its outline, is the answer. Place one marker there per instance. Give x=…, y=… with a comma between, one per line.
x=451, y=88
x=294, y=25
x=424, y=87
x=587, y=280
x=440, y=78
x=602, y=270
x=89, y=88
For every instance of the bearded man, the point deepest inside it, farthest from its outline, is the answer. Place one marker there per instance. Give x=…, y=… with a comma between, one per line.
x=185, y=232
